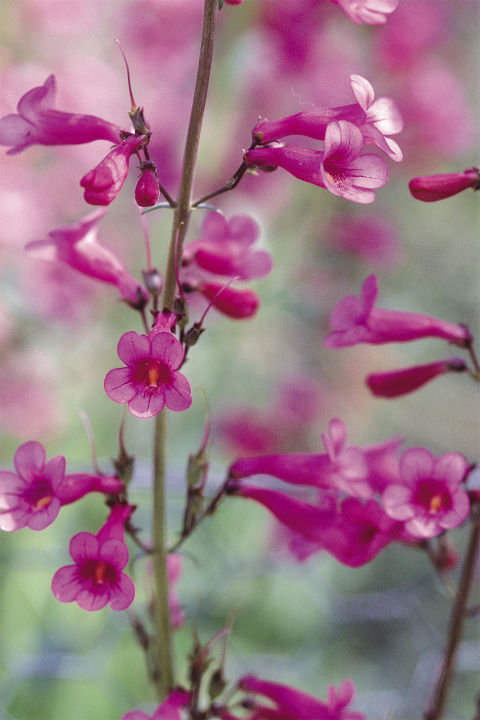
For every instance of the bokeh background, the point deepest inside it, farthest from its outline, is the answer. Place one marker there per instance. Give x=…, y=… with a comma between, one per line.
x=269, y=382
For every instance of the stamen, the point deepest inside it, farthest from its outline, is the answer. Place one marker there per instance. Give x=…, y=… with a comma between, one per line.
x=43, y=502
x=153, y=374
x=436, y=503
x=99, y=573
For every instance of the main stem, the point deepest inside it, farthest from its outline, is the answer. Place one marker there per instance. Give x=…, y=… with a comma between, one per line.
x=184, y=202
x=162, y=658
x=457, y=620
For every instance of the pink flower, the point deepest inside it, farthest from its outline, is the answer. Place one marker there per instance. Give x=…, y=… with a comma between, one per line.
x=104, y=182
x=428, y=496
x=150, y=379
x=370, y=12
x=33, y=497
x=372, y=239
x=169, y=709
x=341, y=467
x=96, y=579
x=297, y=705
x=236, y=303
x=431, y=188
x=340, y=168
x=77, y=245
x=374, y=118
x=356, y=320
x=30, y=498
x=37, y=122
x=226, y=248
x=147, y=189
x=401, y=382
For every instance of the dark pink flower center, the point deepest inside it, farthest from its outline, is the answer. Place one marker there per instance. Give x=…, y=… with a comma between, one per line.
x=98, y=572
x=432, y=496
x=39, y=494
x=153, y=373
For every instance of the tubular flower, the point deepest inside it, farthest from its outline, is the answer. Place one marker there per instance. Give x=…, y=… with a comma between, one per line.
x=33, y=497
x=340, y=168
x=38, y=123
x=77, y=245
x=357, y=320
x=370, y=12
x=375, y=119
x=96, y=579
x=431, y=188
x=401, y=382
x=297, y=705
x=428, y=495
x=150, y=381
x=104, y=182
x=147, y=189
x=169, y=709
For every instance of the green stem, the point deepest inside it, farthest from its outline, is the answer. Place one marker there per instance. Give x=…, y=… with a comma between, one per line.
x=457, y=619
x=184, y=203
x=162, y=657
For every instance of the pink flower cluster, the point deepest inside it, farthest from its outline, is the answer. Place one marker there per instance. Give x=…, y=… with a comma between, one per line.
x=224, y=253
x=357, y=320
x=38, y=122
x=420, y=496
x=341, y=167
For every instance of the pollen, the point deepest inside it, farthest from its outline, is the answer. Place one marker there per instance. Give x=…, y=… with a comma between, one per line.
x=153, y=374
x=99, y=573
x=436, y=503
x=43, y=502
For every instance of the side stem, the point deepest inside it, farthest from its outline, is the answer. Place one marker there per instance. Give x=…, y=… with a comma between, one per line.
x=184, y=203
x=457, y=620
x=162, y=656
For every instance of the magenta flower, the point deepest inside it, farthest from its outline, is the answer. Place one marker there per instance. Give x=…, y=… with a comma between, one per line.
x=30, y=497
x=75, y=485
x=77, y=245
x=169, y=709
x=340, y=168
x=372, y=239
x=297, y=705
x=236, y=303
x=226, y=248
x=370, y=12
x=147, y=189
x=96, y=579
x=150, y=379
x=401, y=382
x=431, y=188
x=104, y=182
x=356, y=320
x=376, y=119
x=37, y=122
x=428, y=496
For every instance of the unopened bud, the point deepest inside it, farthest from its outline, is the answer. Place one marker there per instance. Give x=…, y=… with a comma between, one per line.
x=147, y=190
x=216, y=684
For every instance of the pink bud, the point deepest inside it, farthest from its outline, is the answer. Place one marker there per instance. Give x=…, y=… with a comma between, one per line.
x=236, y=303
x=104, y=182
x=431, y=188
x=404, y=381
x=147, y=190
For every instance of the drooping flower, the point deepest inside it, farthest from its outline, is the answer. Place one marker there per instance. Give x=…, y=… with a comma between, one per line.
x=372, y=239
x=431, y=188
x=37, y=122
x=103, y=183
x=357, y=320
x=297, y=705
x=428, y=496
x=77, y=245
x=150, y=381
x=376, y=119
x=96, y=579
x=340, y=168
x=169, y=709
x=401, y=382
x=370, y=12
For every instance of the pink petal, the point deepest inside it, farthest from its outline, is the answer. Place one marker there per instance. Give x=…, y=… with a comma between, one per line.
x=114, y=552
x=15, y=519
x=243, y=229
x=166, y=347
x=83, y=546
x=450, y=467
x=92, y=601
x=363, y=91
x=415, y=464
x=40, y=519
x=10, y=484
x=133, y=347
x=54, y=471
x=459, y=512
x=386, y=116
x=66, y=583
x=343, y=142
x=215, y=227
x=37, y=99
x=368, y=171
x=423, y=527
x=123, y=593
x=178, y=395
x=397, y=501
x=29, y=460
x=139, y=406
x=119, y=385
x=369, y=292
